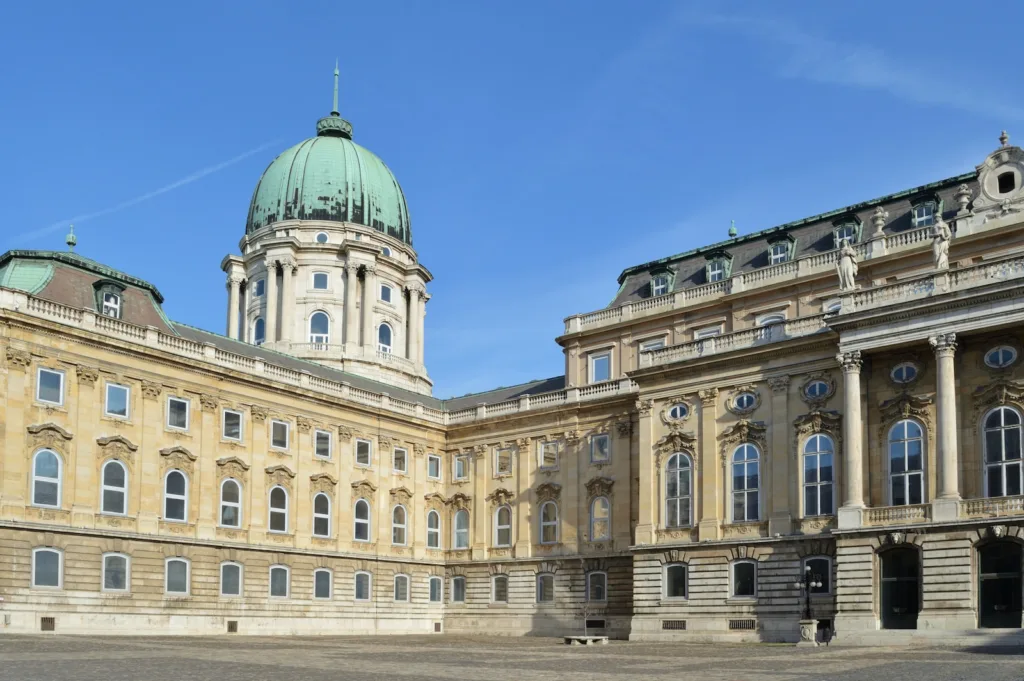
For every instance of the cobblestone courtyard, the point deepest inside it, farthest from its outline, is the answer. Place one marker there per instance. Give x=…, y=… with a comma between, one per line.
x=474, y=659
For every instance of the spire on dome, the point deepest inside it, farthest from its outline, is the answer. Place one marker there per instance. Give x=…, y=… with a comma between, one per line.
x=334, y=109
x=334, y=125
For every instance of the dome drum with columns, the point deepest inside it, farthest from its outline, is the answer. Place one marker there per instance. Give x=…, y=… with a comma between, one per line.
x=327, y=271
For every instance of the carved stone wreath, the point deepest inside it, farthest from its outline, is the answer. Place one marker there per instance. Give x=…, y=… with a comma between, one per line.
x=730, y=402
x=743, y=431
x=344, y=433
x=19, y=358
x=548, y=491
x=259, y=413
x=86, y=374
x=816, y=402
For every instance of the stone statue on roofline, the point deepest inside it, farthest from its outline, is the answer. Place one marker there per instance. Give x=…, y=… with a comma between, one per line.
x=941, y=235
x=846, y=266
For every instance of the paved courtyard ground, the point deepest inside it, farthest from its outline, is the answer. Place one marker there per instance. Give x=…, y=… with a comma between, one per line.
x=407, y=658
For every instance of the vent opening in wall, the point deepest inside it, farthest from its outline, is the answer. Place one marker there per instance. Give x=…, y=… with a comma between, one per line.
x=437, y=627
x=742, y=625
x=48, y=624
x=232, y=626
x=673, y=625
x=595, y=624
x=1006, y=182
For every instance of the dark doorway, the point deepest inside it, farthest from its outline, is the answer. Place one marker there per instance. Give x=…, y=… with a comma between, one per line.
x=901, y=588
x=999, y=591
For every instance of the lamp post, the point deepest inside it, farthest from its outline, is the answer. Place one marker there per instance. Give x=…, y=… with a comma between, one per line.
x=808, y=625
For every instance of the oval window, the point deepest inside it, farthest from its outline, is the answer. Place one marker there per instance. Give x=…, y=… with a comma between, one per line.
x=904, y=373
x=678, y=411
x=744, y=401
x=321, y=237
x=1000, y=357
x=386, y=251
x=816, y=389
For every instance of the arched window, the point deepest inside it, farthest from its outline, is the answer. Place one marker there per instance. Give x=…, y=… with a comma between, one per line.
x=230, y=503
x=322, y=579
x=176, y=496
x=115, y=488
x=322, y=515
x=176, y=576
x=259, y=331
x=678, y=491
x=818, y=452
x=1003, y=474
x=362, y=586
x=435, y=589
x=600, y=519
x=745, y=483
x=499, y=589
x=47, y=568
x=675, y=581
x=433, y=530
x=278, y=509
x=462, y=529
x=46, y=479
x=362, y=520
x=319, y=328
x=230, y=579
x=503, y=526
x=906, y=464
x=401, y=587
x=115, y=572
x=384, y=338
x=597, y=586
x=280, y=578
x=549, y=522
x=398, y=523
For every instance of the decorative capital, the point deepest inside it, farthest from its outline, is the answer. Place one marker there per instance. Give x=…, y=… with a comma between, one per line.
x=599, y=486
x=778, y=384
x=418, y=449
x=572, y=437
x=625, y=428
x=235, y=280
x=208, y=401
x=151, y=390
x=258, y=413
x=500, y=497
x=86, y=374
x=548, y=491
x=708, y=396
x=943, y=344
x=643, y=407
x=303, y=423
x=19, y=358
x=850, y=362
x=344, y=433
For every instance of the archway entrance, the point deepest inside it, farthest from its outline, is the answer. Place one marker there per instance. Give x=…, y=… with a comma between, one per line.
x=999, y=590
x=901, y=588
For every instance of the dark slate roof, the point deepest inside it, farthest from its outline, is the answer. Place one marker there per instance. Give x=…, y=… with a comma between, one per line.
x=812, y=235
x=88, y=264
x=542, y=385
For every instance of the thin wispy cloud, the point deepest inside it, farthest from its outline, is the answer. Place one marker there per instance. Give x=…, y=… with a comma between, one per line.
x=819, y=59
x=188, y=179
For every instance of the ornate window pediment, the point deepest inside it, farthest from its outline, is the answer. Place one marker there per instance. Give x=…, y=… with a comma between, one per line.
x=548, y=491
x=178, y=457
x=232, y=467
x=280, y=475
x=435, y=501
x=676, y=441
x=500, y=497
x=49, y=435
x=999, y=393
x=114, y=442
x=904, y=406
x=459, y=501
x=743, y=431
x=401, y=494
x=363, y=488
x=599, y=486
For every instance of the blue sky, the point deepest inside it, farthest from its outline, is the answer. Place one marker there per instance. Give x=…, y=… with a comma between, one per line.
x=543, y=147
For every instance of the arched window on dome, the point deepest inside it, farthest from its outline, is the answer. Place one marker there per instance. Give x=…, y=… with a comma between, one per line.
x=384, y=338
x=319, y=328
x=259, y=331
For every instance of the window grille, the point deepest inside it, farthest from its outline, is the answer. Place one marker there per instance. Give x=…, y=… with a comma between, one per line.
x=742, y=625
x=676, y=625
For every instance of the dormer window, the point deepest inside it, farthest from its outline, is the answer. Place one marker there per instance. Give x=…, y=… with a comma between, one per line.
x=846, y=231
x=779, y=253
x=659, y=285
x=111, y=305
x=109, y=298
x=716, y=270
x=924, y=214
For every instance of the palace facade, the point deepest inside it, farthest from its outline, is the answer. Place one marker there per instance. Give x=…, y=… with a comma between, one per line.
x=821, y=420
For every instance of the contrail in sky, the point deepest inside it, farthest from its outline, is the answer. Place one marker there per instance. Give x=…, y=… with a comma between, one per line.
x=188, y=179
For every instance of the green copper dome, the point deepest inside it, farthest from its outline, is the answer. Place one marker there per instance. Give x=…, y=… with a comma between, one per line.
x=330, y=177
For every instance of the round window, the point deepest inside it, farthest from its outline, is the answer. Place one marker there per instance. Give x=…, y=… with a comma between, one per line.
x=816, y=389
x=744, y=400
x=904, y=373
x=1000, y=357
x=386, y=251
x=321, y=237
x=678, y=411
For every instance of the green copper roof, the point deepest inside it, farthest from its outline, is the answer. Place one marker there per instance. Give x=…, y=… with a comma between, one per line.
x=26, y=276
x=30, y=271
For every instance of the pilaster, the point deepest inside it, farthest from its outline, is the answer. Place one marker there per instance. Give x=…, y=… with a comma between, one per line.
x=369, y=297
x=205, y=483
x=150, y=490
x=649, y=498
x=351, y=318
x=86, y=471
x=271, y=295
x=781, y=519
x=480, y=538
x=524, y=498
x=710, y=490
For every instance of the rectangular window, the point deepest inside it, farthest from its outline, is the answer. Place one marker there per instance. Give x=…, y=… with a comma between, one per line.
x=278, y=434
x=545, y=588
x=176, y=579
x=461, y=467
x=435, y=589
x=320, y=281
x=675, y=581
x=659, y=285
x=47, y=569
x=707, y=332
x=116, y=403
x=924, y=214
x=400, y=460
x=600, y=367
x=115, y=572
x=744, y=580
x=503, y=462
x=362, y=586
x=458, y=589
x=111, y=305
x=433, y=467
x=279, y=582
x=597, y=586
x=363, y=455
x=50, y=386
x=600, y=448
x=232, y=425
x=322, y=444
x=322, y=584
x=177, y=413
x=500, y=589
x=649, y=346
x=549, y=455
x=716, y=271
x=385, y=293
x=230, y=579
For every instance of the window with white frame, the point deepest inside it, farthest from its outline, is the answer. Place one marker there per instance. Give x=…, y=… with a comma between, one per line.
x=715, y=270
x=678, y=491
x=362, y=586
x=503, y=461
x=398, y=525
x=678, y=412
x=435, y=590
x=400, y=460
x=280, y=581
x=433, y=467
x=230, y=503
x=322, y=515
x=230, y=579
x=675, y=581
x=114, y=488
x=361, y=520
x=1000, y=357
x=176, y=496
x=116, y=568
x=778, y=253
x=652, y=345
x=116, y=402
x=177, y=413
x=384, y=338
x=458, y=589
x=924, y=214
x=818, y=454
x=319, y=328
x=816, y=389
x=597, y=586
x=906, y=464
x=744, y=579
x=461, y=463
x=176, y=576
x=600, y=448
x=820, y=568
x=1004, y=475
x=322, y=579
x=461, y=529
x=746, y=468
x=845, y=232
x=47, y=479
x=322, y=444
x=385, y=293
x=903, y=373
x=499, y=589
x=320, y=281
x=401, y=587
x=549, y=523
x=259, y=331
x=231, y=425
x=659, y=285
x=279, y=432
x=278, y=509
x=386, y=252
x=545, y=588
x=111, y=305
x=50, y=386
x=549, y=455
x=744, y=400
x=47, y=568
x=769, y=319
x=707, y=332
x=321, y=237
x=503, y=526
x=363, y=452
x=433, y=530
x=259, y=288
x=600, y=367
x=600, y=519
